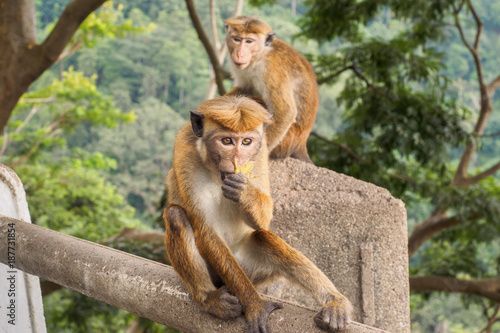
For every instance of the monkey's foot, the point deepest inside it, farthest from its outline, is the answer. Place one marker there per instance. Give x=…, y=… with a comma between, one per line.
x=221, y=303
x=334, y=316
x=257, y=322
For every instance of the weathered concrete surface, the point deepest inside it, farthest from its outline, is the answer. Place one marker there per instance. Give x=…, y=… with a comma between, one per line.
x=354, y=231
x=21, y=308
x=146, y=288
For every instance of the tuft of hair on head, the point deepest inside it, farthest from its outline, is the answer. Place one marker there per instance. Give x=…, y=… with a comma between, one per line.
x=249, y=25
x=238, y=113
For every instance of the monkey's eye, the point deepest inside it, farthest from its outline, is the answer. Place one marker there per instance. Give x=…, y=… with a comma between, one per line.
x=237, y=39
x=249, y=41
x=246, y=141
x=226, y=141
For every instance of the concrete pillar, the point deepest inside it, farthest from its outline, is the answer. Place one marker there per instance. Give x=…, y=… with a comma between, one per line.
x=21, y=308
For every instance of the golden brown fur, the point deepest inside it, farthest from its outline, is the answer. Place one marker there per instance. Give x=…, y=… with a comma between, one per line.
x=217, y=221
x=281, y=76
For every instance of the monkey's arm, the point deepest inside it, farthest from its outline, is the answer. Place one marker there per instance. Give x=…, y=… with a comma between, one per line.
x=258, y=206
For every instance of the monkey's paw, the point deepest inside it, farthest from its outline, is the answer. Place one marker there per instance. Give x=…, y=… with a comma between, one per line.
x=334, y=315
x=257, y=320
x=221, y=303
x=234, y=185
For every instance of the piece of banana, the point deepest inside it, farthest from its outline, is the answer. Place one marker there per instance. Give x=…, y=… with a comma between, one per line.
x=245, y=169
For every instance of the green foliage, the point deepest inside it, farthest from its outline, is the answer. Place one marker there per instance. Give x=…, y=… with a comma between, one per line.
x=143, y=152
x=326, y=20
x=106, y=22
x=398, y=87
x=65, y=189
x=43, y=115
x=409, y=100
x=67, y=311
x=69, y=195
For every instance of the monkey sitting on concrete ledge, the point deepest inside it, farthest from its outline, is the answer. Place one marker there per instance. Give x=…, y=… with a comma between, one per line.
x=218, y=215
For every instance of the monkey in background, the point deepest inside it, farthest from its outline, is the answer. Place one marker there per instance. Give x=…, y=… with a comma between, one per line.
x=271, y=69
x=217, y=219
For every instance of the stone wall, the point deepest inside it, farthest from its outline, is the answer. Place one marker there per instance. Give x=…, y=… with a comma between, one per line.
x=354, y=231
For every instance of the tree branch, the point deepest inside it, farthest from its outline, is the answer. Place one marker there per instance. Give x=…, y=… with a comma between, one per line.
x=489, y=135
x=220, y=72
x=71, y=18
x=338, y=144
x=342, y=70
x=213, y=26
x=51, y=131
x=489, y=288
x=485, y=102
x=472, y=180
x=5, y=143
x=221, y=48
x=492, y=319
x=334, y=75
x=479, y=24
x=425, y=230
x=493, y=86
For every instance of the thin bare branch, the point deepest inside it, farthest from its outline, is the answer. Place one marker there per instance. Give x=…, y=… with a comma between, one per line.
x=220, y=72
x=485, y=102
x=334, y=75
x=489, y=135
x=221, y=49
x=39, y=100
x=493, y=86
x=362, y=77
x=70, y=51
x=32, y=113
x=51, y=131
x=5, y=143
x=338, y=144
x=479, y=25
x=213, y=25
x=489, y=288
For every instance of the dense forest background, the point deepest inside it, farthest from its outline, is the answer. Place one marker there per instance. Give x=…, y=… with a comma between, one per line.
x=399, y=106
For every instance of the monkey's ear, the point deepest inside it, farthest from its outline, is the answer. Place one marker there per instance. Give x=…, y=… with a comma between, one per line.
x=270, y=38
x=197, y=123
x=226, y=26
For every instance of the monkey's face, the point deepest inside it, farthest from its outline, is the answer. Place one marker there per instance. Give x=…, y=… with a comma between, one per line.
x=225, y=147
x=244, y=48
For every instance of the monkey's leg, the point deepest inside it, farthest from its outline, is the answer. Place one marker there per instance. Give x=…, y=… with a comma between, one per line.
x=276, y=253
x=294, y=144
x=219, y=256
x=187, y=262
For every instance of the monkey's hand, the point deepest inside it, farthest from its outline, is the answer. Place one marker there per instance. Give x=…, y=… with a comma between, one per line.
x=234, y=185
x=335, y=315
x=257, y=318
x=223, y=304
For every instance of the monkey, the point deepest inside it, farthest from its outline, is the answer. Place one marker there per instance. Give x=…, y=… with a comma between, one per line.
x=217, y=221
x=269, y=68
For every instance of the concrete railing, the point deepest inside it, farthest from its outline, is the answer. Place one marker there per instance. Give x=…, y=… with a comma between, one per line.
x=140, y=286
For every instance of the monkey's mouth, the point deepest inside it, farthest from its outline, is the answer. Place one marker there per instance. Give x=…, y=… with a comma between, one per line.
x=240, y=65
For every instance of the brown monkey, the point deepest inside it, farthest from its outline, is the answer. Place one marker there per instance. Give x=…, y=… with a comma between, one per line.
x=217, y=220
x=273, y=70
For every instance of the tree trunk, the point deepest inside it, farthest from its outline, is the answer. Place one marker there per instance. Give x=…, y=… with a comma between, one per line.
x=22, y=59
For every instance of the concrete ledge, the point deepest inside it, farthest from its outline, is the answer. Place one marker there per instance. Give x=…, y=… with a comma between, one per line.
x=143, y=287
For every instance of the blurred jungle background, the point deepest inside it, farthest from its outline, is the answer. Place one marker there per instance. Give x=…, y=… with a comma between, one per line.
x=408, y=101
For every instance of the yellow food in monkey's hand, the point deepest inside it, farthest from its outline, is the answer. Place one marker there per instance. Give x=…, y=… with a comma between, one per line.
x=244, y=168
